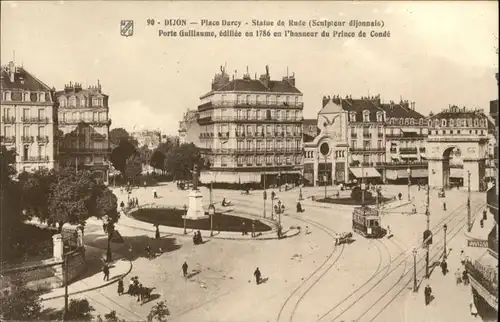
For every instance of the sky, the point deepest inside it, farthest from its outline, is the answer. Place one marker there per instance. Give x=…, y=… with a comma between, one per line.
x=439, y=53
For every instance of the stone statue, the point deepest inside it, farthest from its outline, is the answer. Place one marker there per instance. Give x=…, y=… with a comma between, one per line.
x=195, y=177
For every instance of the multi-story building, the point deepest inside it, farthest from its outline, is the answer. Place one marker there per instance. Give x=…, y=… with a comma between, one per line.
x=250, y=130
x=28, y=118
x=83, y=117
x=149, y=138
x=189, y=129
x=364, y=138
x=483, y=269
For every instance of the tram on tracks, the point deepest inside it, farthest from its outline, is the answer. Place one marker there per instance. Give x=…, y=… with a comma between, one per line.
x=366, y=222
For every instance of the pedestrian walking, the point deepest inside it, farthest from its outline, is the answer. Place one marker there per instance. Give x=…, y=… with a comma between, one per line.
x=120, y=286
x=427, y=294
x=444, y=267
x=136, y=202
x=307, y=230
x=253, y=229
x=155, y=195
x=157, y=233
x=481, y=223
x=485, y=216
x=465, y=277
x=105, y=270
x=462, y=257
x=140, y=291
x=458, y=276
x=257, y=275
x=185, y=269
x=444, y=206
x=243, y=229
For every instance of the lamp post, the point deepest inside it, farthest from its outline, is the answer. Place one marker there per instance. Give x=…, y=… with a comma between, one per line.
x=185, y=215
x=272, y=205
x=324, y=179
x=279, y=210
x=414, y=269
x=409, y=182
x=429, y=233
x=211, y=213
x=445, y=228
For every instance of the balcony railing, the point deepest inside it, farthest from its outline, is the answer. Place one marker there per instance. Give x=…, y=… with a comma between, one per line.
x=8, y=119
x=42, y=139
x=94, y=122
x=407, y=150
x=235, y=103
x=484, y=275
x=367, y=135
x=35, y=119
x=368, y=149
x=37, y=159
x=86, y=150
x=247, y=119
x=8, y=139
x=257, y=150
x=405, y=165
x=27, y=139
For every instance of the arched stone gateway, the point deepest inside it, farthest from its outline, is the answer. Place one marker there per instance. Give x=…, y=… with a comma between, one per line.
x=458, y=140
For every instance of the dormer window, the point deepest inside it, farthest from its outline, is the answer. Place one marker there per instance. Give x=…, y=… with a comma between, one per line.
x=481, y=122
x=429, y=123
x=407, y=121
x=366, y=116
x=62, y=101
x=443, y=123
x=380, y=117
x=72, y=101
x=476, y=122
x=82, y=101
x=26, y=97
x=421, y=122
x=393, y=120
x=450, y=123
x=401, y=121
x=7, y=96
x=353, y=116
x=412, y=121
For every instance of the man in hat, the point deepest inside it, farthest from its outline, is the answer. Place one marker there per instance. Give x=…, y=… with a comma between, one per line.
x=257, y=275
x=427, y=293
x=185, y=269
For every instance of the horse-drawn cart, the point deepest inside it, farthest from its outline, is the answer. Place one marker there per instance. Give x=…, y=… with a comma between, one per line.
x=343, y=238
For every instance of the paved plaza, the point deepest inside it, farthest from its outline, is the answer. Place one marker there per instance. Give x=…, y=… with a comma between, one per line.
x=307, y=277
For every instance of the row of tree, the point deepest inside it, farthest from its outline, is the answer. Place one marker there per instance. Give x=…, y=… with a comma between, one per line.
x=169, y=157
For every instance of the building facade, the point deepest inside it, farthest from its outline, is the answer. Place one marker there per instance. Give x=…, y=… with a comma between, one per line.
x=28, y=117
x=460, y=133
x=483, y=269
x=189, y=129
x=250, y=130
x=365, y=138
x=83, y=124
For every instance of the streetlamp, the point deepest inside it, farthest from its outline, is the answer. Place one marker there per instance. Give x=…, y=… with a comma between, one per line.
x=445, y=228
x=272, y=205
x=414, y=269
x=409, y=182
x=211, y=213
x=185, y=215
x=324, y=179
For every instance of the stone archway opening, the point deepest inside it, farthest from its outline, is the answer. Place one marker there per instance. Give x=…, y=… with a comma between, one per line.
x=453, y=167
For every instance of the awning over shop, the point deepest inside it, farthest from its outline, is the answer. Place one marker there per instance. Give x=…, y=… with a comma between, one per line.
x=391, y=174
x=409, y=156
x=419, y=173
x=365, y=173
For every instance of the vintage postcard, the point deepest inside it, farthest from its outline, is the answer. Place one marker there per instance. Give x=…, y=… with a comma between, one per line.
x=249, y=161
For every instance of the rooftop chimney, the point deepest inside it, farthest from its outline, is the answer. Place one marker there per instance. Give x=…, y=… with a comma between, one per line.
x=12, y=70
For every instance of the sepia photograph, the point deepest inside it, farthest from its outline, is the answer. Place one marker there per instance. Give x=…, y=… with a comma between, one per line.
x=249, y=161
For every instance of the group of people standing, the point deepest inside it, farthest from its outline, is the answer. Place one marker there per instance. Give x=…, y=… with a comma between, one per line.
x=135, y=288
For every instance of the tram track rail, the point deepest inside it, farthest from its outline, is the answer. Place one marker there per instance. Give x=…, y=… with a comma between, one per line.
x=331, y=233
x=454, y=231
x=448, y=218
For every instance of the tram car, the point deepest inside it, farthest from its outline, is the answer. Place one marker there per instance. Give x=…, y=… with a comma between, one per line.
x=366, y=222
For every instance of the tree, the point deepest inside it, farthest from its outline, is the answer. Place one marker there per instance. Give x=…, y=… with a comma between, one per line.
x=180, y=161
x=159, y=312
x=111, y=317
x=133, y=167
x=35, y=192
x=21, y=305
x=116, y=136
x=106, y=208
x=157, y=160
x=121, y=153
x=79, y=310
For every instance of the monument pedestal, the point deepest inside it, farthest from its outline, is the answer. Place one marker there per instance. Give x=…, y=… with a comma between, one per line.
x=195, y=209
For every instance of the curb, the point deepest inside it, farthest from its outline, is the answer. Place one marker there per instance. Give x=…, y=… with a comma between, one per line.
x=212, y=237
x=92, y=288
